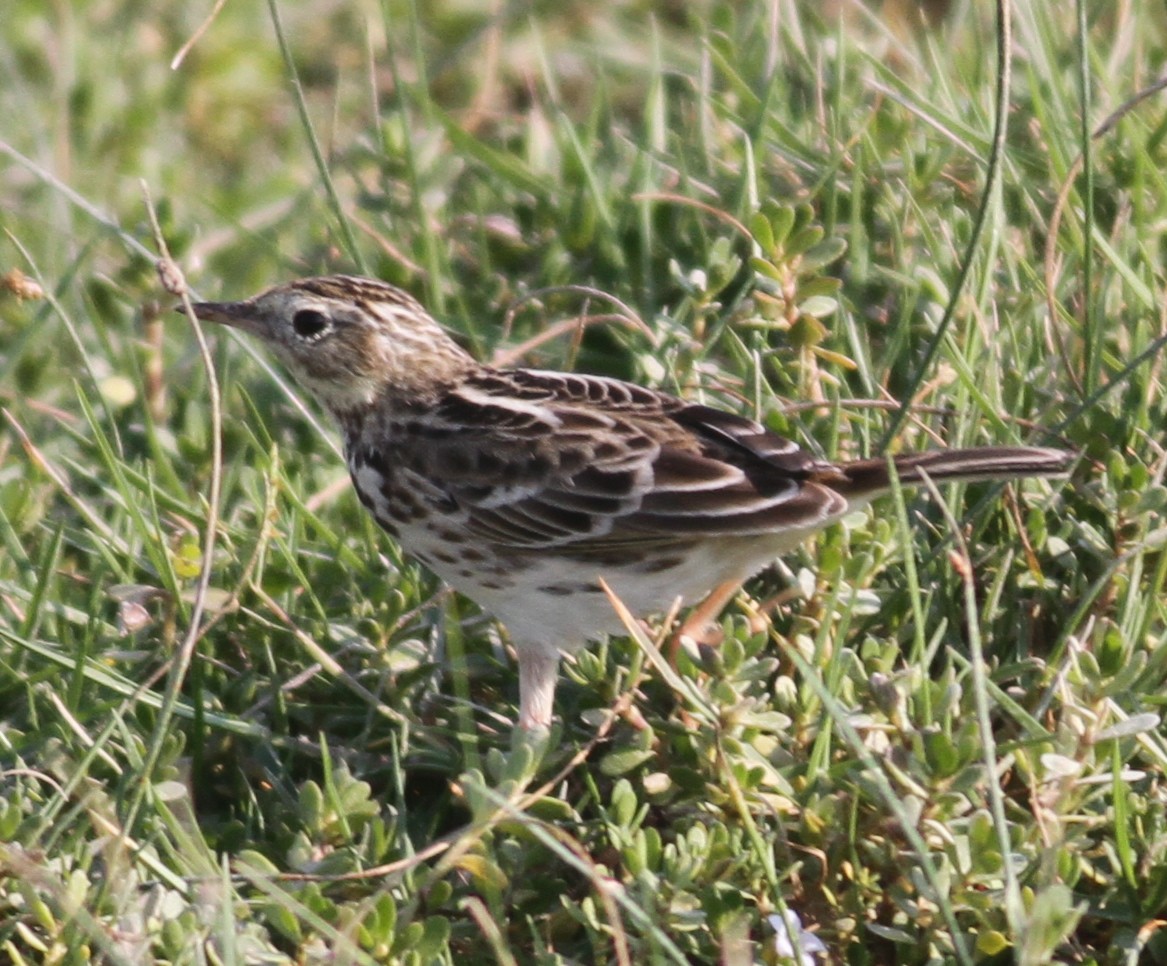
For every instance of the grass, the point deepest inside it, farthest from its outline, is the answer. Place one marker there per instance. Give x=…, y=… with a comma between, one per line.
x=940, y=740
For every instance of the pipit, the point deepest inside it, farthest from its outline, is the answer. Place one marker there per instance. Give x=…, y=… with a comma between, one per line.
x=523, y=488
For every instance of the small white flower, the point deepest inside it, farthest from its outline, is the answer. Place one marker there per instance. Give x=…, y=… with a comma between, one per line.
x=786, y=924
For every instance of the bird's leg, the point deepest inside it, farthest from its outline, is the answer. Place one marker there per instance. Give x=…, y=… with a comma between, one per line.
x=538, y=671
x=696, y=626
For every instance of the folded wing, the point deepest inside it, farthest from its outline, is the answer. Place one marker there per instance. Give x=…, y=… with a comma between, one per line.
x=588, y=465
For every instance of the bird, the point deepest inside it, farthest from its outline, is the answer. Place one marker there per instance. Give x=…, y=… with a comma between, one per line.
x=532, y=491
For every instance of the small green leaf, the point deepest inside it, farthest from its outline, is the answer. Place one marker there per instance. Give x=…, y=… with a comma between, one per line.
x=807, y=331
x=763, y=267
x=9, y=821
x=818, y=306
x=781, y=222
x=623, y=761
x=1111, y=652
x=384, y=917
x=940, y=753
x=623, y=804
x=822, y=254
x=434, y=937
x=991, y=943
x=760, y=229
x=312, y=806
x=804, y=240
x=281, y=919
x=187, y=558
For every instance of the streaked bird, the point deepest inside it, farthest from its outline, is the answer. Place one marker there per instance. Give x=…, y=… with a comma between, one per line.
x=524, y=488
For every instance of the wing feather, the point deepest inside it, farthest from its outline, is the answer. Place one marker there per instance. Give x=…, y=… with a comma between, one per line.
x=584, y=465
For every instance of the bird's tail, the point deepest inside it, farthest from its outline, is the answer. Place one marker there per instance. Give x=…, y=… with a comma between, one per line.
x=866, y=478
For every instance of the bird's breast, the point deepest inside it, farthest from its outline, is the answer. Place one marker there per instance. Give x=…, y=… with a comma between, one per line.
x=395, y=496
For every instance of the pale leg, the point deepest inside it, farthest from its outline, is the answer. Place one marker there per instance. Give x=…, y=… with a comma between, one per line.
x=538, y=671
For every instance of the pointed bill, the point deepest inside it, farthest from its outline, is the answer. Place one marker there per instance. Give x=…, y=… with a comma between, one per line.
x=238, y=315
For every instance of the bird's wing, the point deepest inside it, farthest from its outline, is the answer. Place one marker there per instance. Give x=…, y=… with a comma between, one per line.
x=589, y=465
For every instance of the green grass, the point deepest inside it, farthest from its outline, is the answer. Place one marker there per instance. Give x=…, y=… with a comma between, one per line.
x=944, y=746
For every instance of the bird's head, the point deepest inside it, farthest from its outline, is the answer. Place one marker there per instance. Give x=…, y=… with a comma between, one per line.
x=347, y=340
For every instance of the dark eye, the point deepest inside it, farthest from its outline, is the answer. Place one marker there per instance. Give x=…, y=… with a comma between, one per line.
x=309, y=323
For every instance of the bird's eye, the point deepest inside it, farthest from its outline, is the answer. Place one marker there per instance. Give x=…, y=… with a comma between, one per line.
x=309, y=323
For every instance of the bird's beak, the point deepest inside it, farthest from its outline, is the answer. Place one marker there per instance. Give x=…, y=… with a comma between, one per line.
x=238, y=315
